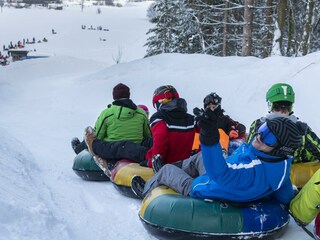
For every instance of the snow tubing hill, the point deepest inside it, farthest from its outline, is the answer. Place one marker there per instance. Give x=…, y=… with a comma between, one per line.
x=168, y=215
x=85, y=167
x=122, y=173
x=301, y=173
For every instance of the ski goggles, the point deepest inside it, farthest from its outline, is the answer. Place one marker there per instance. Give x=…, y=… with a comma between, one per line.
x=211, y=98
x=266, y=136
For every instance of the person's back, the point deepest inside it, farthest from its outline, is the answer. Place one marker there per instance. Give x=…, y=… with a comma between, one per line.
x=172, y=127
x=121, y=120
x=280, y=98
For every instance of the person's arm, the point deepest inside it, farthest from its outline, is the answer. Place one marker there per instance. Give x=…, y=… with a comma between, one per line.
x=146, y=128
x=252, y=131
x=215, y=164
x=213, y=159
x=312, y=143
x=100, y=126
x=285, y=193
x=160, y=141
x=226, y=174
x=231, y=127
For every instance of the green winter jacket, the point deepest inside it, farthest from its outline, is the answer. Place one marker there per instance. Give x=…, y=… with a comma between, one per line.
x=305, y=206
x=310, y=148
x=122, y=120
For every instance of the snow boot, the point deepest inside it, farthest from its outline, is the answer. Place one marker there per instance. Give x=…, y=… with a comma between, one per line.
x=74, y=143
x=137, y=186
x=157, y=163
x=89, y=137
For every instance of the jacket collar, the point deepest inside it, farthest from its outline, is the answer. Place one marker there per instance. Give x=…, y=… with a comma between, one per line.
x=125, y=102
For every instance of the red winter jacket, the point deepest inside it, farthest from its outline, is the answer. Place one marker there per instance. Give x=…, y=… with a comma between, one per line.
x=173, y=132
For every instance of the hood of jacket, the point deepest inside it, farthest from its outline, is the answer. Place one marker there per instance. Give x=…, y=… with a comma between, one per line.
x=271, y=116
x=124, y=109
x=176, y=108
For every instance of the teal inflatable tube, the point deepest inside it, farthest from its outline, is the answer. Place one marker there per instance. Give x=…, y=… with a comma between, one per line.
x=86, y=168
x=168, y=215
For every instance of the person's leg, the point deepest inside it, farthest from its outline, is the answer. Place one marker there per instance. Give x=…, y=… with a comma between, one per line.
x=80, y=147
x=194, y=165
x=119, y=150
x=147, y=142
x=171, y=176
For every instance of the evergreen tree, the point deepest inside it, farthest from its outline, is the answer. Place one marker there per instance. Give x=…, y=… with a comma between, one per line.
x=164, y=33
x=233, y=28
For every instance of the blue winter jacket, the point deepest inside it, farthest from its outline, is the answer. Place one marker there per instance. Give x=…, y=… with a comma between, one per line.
x=242, y=177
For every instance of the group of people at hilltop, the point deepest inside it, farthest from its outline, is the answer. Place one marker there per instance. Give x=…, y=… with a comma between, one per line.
x=4, y=59
x=258, y=168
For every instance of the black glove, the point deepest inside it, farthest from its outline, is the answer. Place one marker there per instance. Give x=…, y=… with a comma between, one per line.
x=207, y=120
x=144, y=163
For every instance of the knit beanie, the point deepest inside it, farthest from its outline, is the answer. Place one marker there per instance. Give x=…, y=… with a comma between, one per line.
x=287, y=134
x=121, y=91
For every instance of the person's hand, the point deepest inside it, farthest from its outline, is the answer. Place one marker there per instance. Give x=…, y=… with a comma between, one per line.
x=233, y=134
x=144, y=163
x=198, y=113
x=207, y=120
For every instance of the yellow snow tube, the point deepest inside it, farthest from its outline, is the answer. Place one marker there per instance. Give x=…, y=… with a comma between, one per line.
x=301, y=172
x=123, y=172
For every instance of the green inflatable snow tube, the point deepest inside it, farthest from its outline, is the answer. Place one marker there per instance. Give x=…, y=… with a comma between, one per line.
x=169, y=215
x=86, y=168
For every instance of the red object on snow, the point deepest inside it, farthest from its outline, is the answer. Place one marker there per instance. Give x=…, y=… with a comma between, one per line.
x=317, y=227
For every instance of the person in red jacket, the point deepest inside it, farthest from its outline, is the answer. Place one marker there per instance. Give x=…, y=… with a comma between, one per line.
x=172, y=130
x=172, y=127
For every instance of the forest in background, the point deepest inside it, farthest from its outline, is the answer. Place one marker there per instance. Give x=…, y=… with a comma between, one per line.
x=234, y=28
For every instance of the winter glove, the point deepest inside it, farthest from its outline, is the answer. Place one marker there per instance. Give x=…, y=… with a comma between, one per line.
x=144, y=163
x=207, y=120
x=194, y=151
x=233, y=134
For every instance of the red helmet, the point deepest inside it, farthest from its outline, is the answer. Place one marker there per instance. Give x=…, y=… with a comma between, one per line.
x=164, y=94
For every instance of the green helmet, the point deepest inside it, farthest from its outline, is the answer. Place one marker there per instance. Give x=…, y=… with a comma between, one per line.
x=280, y=92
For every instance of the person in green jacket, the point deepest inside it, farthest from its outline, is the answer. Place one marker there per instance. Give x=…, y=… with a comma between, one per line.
x=121, y=120
x=280, y=98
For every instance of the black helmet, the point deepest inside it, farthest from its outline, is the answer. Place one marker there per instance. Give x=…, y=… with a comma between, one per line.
x=212, y=98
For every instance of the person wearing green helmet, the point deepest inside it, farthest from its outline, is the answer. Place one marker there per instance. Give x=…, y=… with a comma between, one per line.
x=280, y=98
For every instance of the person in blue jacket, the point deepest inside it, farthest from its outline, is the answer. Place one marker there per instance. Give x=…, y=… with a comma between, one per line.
x=255, y=170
